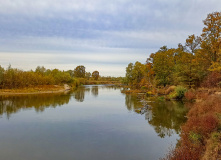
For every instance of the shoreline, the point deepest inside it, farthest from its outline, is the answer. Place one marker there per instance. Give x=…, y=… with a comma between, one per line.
x=46, y=89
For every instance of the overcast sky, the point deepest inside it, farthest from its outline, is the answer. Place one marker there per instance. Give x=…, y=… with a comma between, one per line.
x=103, y=35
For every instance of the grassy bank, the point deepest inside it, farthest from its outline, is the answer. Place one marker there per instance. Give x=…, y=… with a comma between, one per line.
x=201, y=134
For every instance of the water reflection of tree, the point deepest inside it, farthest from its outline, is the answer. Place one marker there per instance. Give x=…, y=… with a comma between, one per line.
x=13, y=104
x=79, y=94
x=132, y=103
x=165, y=117
x=94, y=91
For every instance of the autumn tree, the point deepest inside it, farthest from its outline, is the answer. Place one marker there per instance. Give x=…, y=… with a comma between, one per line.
x=212, y=36
x=60, y=77
x=2, y=70
x=187, y=65
x=79, y=71
x=71, y=72
x=149, y=69
x=138, y=72
x=129, y=73
x=163, y=65
x=192, y=43
x=40, y=70
x=88, y=75
x=95, y=75
x=9, y=77
x=187, y=71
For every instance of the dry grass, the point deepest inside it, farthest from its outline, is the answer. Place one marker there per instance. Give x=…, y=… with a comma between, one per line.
x=170, y=89
x=34, y=89
x=190, y=95
x=197, y=136
x=212, y=80
x=213, y=147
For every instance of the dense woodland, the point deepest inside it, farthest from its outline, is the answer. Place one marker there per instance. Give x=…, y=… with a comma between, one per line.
x=196, y=63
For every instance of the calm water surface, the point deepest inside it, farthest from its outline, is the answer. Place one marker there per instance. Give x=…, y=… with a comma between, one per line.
x=92, y=123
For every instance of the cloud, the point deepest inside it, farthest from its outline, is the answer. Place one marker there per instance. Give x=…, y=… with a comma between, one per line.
x=115, y=14
x=97, y=41
x=94, y=32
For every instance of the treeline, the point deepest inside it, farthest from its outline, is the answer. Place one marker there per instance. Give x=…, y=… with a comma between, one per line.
x=16, y=78
x=11, y=78
x=196, y=63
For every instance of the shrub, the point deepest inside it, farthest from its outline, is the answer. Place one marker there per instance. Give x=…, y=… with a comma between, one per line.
x=212, y=80
x=195, y=137
x=172, y=95
x=190, y=95
x=75, y=83
x=213, y=147
x=208, y=124
x=82, y=81
x=202, y=95
x=200, y=136
x=180, y=91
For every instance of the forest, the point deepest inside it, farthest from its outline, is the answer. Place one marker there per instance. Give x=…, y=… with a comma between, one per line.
x=197, y=63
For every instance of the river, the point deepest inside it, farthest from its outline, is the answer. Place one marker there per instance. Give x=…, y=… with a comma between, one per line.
x=95, y=122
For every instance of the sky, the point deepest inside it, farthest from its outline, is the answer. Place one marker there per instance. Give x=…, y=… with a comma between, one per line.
x=99, y=34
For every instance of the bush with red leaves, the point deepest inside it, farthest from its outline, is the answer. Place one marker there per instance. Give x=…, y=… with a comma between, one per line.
x=212, y=80
x=190, y=95
x=202, y=122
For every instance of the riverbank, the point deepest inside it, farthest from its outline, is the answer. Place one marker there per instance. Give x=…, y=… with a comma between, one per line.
x=201, y=134
x=174, y=92
x=46, y=89
x=200, y=137
x=40, y=89
x=101, y=82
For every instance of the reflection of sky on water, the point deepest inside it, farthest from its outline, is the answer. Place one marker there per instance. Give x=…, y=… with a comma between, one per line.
x=99, y=127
